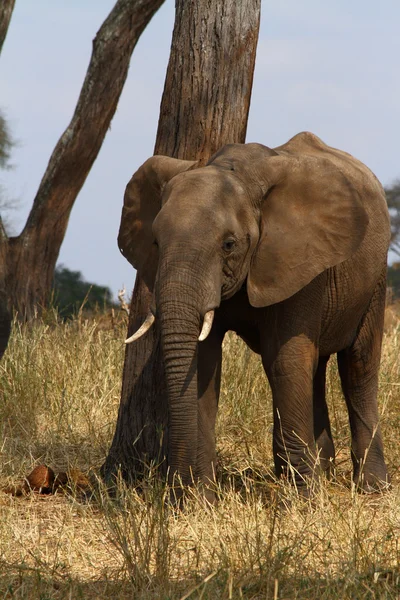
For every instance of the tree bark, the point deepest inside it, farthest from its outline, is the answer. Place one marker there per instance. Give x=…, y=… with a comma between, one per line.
x=205, y=105
x=6, y=11
x=5, y=314
x=33, y=254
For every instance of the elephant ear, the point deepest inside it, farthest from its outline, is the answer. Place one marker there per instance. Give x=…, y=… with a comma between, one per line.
x=142, y=201
x=311, y=219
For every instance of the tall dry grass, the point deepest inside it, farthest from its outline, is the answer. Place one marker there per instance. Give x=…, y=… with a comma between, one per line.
x=60, y=386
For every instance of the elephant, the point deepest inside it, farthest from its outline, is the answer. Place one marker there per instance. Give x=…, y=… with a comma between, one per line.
x=287, y=247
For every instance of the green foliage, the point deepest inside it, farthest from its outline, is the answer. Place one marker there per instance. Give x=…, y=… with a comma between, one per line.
x=71, y=292
x=6, y=142
x=393, y=200
x=393, y=279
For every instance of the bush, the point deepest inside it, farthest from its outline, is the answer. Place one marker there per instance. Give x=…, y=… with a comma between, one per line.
x=71, y=292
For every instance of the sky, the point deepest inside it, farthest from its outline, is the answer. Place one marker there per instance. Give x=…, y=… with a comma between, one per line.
x=326, y=67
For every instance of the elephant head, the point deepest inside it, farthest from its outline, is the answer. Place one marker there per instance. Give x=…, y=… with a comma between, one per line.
x=271, y=220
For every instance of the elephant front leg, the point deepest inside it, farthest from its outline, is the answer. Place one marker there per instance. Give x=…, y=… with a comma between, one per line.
x=209, y=382
x=290, y=371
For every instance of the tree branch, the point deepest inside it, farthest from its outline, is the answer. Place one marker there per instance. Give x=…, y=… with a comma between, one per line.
x=3, y=234
x=79, y=145
x=6, y=10
x=36, y=250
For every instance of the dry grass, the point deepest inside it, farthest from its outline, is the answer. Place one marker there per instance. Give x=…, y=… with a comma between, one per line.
x=60, y=388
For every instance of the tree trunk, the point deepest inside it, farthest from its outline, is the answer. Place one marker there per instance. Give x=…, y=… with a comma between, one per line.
x=6, y=11
x=5, y=314
x=32, y=256
x=205, y=105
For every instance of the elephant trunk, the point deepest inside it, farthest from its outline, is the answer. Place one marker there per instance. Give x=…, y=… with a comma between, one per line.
x=180, y=322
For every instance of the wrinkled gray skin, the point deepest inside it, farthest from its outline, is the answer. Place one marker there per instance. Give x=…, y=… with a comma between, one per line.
x=289, y=247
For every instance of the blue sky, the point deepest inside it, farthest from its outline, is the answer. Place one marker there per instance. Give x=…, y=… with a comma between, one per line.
x=330, y=68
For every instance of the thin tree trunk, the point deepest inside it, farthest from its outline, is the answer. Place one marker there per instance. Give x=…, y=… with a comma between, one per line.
x=5, y=314
x=205, y=105
x=33, y=254
x=6, y=11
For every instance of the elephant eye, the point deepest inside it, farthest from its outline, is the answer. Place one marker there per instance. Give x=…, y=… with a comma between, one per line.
x=228, y=245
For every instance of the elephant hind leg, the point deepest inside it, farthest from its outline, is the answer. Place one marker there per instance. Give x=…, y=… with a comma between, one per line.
x=359, y=370
x=322, y=426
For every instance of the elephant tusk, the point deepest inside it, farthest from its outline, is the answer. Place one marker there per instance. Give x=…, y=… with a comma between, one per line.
x=142, y=330
x=207, y=324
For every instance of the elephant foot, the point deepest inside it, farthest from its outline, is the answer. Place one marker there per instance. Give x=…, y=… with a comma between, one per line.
x=210, y=497
x=305, y=476
x=370, y=483
x=326, y=454
x=371, y=476
x=179, y=495
x=288, y=497
x=327, y=466
x=300, y=491
x=329, y=469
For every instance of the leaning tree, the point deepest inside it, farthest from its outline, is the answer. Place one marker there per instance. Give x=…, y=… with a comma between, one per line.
x=6, y=10
x=28, y=260
x=205, y=105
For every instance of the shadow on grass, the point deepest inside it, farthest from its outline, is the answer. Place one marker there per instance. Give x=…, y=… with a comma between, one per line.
x=20, y=582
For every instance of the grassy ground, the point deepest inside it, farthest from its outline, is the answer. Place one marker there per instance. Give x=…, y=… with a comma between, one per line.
x=60, y=387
